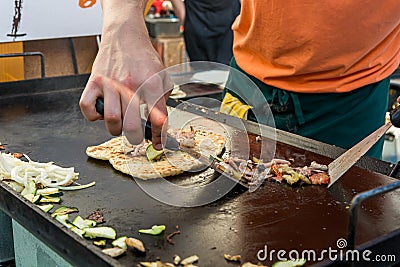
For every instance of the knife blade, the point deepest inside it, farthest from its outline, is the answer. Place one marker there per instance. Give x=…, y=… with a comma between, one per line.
x=345, y=161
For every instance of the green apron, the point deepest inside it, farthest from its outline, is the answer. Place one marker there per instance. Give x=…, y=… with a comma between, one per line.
x=340, y=119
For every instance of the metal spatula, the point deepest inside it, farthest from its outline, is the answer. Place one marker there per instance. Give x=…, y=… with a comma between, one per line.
x=344, y=162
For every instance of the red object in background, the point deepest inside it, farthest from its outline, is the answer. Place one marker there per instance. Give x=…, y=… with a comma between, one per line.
x=158, y=5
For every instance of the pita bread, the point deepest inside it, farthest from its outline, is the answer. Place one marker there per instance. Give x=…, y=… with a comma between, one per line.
x=171, y=163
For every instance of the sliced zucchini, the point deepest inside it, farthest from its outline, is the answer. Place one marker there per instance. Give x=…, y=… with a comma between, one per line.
x=46, y=208
x=104, y=232
x=153, y=154
x=64, y=220
x=77, y=231
x=100, y=243
x=48, y=199
x=14, y=185
x=83, y=223
x=155, y=230
x=32, y=198
x=290, y=263
x=76, y=187
x=47, y=191
x=64, y=210
x=120, y=242
x=30, y=188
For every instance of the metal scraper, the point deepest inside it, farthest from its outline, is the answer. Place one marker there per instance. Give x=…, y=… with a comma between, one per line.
x=344, y=162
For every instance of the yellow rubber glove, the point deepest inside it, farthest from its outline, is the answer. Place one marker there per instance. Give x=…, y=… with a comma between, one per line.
x=234, y=107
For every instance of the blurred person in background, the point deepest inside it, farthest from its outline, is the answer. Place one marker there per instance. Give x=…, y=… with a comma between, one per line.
x=207, y=28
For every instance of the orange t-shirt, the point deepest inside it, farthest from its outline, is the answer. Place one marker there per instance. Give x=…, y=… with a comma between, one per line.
x=318, y=46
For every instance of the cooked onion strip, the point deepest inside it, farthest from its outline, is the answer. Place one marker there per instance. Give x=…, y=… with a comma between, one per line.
x=48, y=174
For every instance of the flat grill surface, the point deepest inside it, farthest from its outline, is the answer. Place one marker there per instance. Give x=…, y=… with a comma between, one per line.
x=50, y=127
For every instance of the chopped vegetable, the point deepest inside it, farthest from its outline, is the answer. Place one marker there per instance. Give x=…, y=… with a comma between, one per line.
x=47, y=199
x=120, y=242
x=104, y=232
x=177, y=259
x=157, y=263
x=152, y=154
x=64, y=210
x=30, y=188
x=83, y=223
x=100, y=243
x=64, y=220
x=155, y=230
x=14, y=185
x=77, y=231
x=47, y=174
x=76, y=187
x=47, y=191
x=290, y=263
x=32, y=198
x=190, y=260
x=232, y=257
x=135, y=243
x=114, y=252
x=46, y=208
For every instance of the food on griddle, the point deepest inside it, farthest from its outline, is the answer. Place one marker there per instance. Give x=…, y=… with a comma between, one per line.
x=289, y=263
x=155, y=230
x=153, y=154
x=190, y=260
x=46, y=208
x=83, y=223
x=114, y=252
x=177, y=259
x=64, y=210
x=135, y=243
x=229, y=257
x=156, y=263
x=120, y=242
x=102, y=232
x=100, y=243
x=171, y=235
x=185, y=137
x=43, y=174
x=132, y=160
x=96, y=216
x=256, y=171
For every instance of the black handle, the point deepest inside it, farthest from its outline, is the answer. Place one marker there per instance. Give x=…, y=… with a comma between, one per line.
x=171, y=142
x=395, y=116
x=145, y=124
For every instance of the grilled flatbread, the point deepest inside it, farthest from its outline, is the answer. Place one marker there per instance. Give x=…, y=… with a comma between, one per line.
x=117, y=152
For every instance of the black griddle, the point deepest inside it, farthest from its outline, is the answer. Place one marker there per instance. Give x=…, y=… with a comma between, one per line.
x=42, y=119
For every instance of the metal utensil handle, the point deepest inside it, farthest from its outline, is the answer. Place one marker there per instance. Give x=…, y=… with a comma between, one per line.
x=145, y=124
x=171, y=143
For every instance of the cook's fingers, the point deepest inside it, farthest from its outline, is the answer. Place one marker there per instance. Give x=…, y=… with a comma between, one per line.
x=132, y=121
x=112, y=110
x=158, y=118
x=153, y=91
x=87, y=102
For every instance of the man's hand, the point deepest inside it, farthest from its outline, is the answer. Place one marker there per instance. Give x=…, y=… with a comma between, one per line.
x=125, y=61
